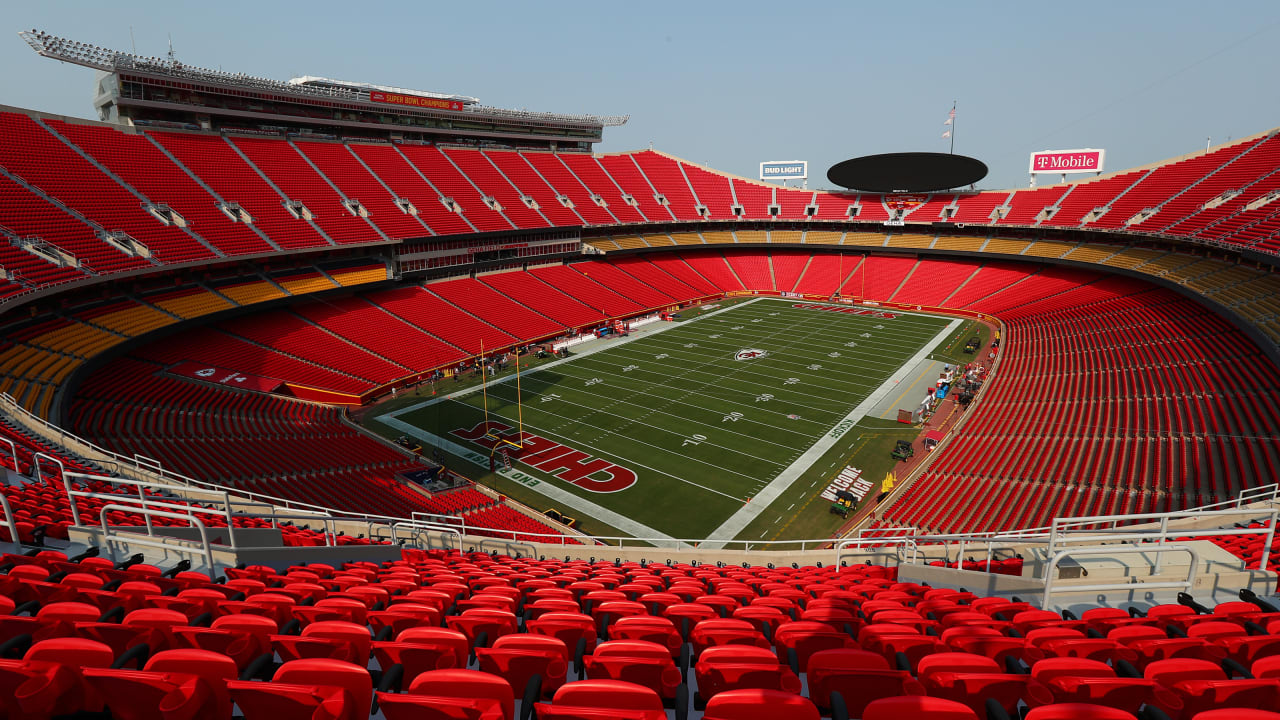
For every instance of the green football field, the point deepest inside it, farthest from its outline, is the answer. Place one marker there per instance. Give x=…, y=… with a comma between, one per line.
x=688, y=429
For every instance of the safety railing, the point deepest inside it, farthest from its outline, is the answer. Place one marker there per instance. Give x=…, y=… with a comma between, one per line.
x=899, y=545
x=1061, y=535
x=74, y=496
x=426, y=517
x=1159, y=550
x=13, y=451
x=413, y=531
x=35, y=464
x=1102, y=528
x=110, y=536
x=327, y=521
x=8, y=520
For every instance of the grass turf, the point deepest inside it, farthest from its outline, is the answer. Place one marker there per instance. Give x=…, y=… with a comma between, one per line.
x=705, y=432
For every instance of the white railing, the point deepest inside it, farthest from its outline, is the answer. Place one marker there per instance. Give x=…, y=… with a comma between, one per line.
x=899, y=543
x=1051, y=570
x=8, y=519
x=1061, y=534
x=13, y=452
x=1067, y=531
x=414, y=530
x=35, y=465
x=138, y=540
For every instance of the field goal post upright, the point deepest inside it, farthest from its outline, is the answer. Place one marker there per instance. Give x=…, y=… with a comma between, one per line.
x=500, y=443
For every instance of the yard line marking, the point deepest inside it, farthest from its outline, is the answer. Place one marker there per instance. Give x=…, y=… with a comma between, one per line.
x=825, y=379
x=803, y=358
x=749, y=393
x=630, y=421
x=720, y=426
x=603, y=453
x=730, y=528
x=679, y=393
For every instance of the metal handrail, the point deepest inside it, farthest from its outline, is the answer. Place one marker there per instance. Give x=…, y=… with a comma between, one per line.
x=8, y=519
x=108, y=535
x=329, y=522
x=902, y=543
x=13, y=452
x=1064, y=532
x=416, y=529
x=1051, y=569
x=35, y=464
x=1060, y=535
x=183, y=512
x=419, y=516
x=141, y=486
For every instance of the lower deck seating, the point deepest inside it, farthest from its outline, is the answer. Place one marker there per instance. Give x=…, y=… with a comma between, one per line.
x=42, y=508
x=244, y=440
x=264, y=444
x=521, y=527
x=467, y=633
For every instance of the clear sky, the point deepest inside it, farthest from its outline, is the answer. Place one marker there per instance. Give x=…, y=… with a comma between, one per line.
x=730, y=84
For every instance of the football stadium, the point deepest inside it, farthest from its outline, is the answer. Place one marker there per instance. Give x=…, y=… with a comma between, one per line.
x=329, y=399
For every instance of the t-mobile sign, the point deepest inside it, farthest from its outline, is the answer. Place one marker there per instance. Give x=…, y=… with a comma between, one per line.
x=1067, y=161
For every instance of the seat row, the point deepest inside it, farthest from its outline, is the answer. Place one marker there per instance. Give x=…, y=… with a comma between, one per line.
x=356, y=193
x=454, y=634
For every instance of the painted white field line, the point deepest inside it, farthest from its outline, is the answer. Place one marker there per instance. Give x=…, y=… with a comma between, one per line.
x=750, y=394
x=882, y=340
x=822, y=377
x=630, y=422
x=899, y=314
x=695, y=366
x=614, y=399
x=698, y=363
x=584, y=350
x=559, y=495
x=791, y=357
x=730, y=528
x=643, y=391
x=799, y=318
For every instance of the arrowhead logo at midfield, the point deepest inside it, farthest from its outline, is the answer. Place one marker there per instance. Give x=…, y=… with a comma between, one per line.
x=750, y=354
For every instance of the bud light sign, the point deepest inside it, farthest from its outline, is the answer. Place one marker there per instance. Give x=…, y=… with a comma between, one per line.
x=784, y=170
x=1067, y=161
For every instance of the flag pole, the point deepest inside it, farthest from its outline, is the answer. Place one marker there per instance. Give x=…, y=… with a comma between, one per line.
x=953, y=127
